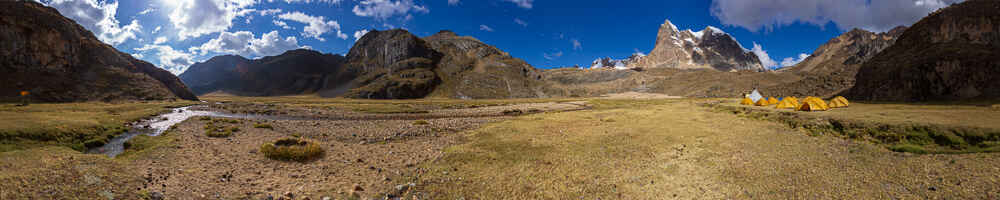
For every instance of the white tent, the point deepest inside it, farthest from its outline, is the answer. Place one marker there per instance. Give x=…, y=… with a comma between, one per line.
x=755, y=96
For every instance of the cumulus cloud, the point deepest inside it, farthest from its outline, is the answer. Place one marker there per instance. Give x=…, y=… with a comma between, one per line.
x=98, y=17
x=146, y=11
x=281, y=24
x=383, y=9
x=160, y=40
x=878, y=15
x=790, y=61
x=520, y=22
x=552, y=56
x=245, y=44
x=316, y=25
x=522, y=3
x=194, y=18
x=483, y=27
x=157, y=29
x=453, y=2
x=762, y=55
x=360, y=33
x=170, y=59
x=576, y=44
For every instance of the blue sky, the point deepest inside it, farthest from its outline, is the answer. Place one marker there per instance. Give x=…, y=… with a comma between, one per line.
x=173, y=34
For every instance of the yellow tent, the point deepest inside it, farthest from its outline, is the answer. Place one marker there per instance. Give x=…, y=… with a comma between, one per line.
x=839, y=102
x=772, y=101
x=788, y=103
x=813, y=104
x=746, y=101
x=761, y=102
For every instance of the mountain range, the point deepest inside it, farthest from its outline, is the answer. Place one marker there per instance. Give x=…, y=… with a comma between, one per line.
x=950, y=55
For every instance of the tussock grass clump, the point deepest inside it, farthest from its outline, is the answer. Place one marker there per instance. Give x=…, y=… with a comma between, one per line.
x=292, y=149
x=263, y=125
x=421, y=122
x=219, y=131
x=995, y=107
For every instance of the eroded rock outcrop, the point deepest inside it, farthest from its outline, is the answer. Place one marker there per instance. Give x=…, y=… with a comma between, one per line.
x=952, y=54
x=58, y=60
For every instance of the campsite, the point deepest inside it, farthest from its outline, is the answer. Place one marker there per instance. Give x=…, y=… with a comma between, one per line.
x=500, y=99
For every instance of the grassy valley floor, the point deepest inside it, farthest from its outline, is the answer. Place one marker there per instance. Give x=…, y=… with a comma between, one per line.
x=609, y=148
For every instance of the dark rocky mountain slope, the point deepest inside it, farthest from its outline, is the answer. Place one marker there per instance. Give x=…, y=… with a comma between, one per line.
x=293, y=72
x=831, y=68
x=952, y=54
x=58, y=60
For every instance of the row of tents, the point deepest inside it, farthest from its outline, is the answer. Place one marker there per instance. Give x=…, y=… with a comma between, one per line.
x=807, y=104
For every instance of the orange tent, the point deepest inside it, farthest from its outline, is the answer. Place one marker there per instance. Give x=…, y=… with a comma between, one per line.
x=788, y=103
x=762, y=102
x=746, y=101
x=813, y=104
x=772, y=101
x=839, y=102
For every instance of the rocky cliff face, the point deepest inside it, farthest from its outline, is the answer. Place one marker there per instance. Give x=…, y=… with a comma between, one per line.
x=58, y=60
x=293, y=72
x=952, y=54
x=710, y=48
x=473, y=69
x=831, y=67
x=393, y=64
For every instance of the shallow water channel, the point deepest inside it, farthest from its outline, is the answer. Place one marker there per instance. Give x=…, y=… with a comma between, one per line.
x=157, y=125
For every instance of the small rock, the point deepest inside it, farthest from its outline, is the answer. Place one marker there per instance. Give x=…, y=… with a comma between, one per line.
x=156, y=196
x=932, y=188
x=326, y=198
x=289, y=195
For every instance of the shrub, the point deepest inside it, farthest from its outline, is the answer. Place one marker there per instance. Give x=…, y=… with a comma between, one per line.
x=262, y=125
x=292, y=149
x=204, y=118
x=421, y=122
x=214, y=131
x=908, y=148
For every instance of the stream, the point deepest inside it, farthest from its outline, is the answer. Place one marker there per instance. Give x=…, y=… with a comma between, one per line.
x=157, y=125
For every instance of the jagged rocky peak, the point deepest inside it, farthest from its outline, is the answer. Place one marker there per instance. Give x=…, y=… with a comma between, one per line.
x=608, y=62
x=710, y=48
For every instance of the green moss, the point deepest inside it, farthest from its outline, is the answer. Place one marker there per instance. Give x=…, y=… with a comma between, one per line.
x=908, y=148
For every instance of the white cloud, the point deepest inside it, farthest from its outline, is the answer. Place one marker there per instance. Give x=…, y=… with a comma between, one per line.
x=98, y=17
x=522, y=3
x=576, y=44
x=310, y=1
x=160, y=40
x=194, y=18
x=872, y=15
x=245, y=44
x=359, y=34
x=317, y=26
x=789, y=61
x=281, y=24
x=172, y=60
x=520, y=22
x=453, y=2
x=552, y=56
x=485, y=28
x=146, y=11
x=137, y=56
x=762, y=55
x=383, y=9
x=157, y=29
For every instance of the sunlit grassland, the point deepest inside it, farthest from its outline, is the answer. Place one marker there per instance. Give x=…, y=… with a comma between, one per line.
x=71, y=124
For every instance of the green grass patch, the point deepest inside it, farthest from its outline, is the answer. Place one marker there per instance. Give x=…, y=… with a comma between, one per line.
x=74, y=125
x=263, y=125
x=292, y=149
x=911, y=148
x=421, y=122
x=211, y=130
